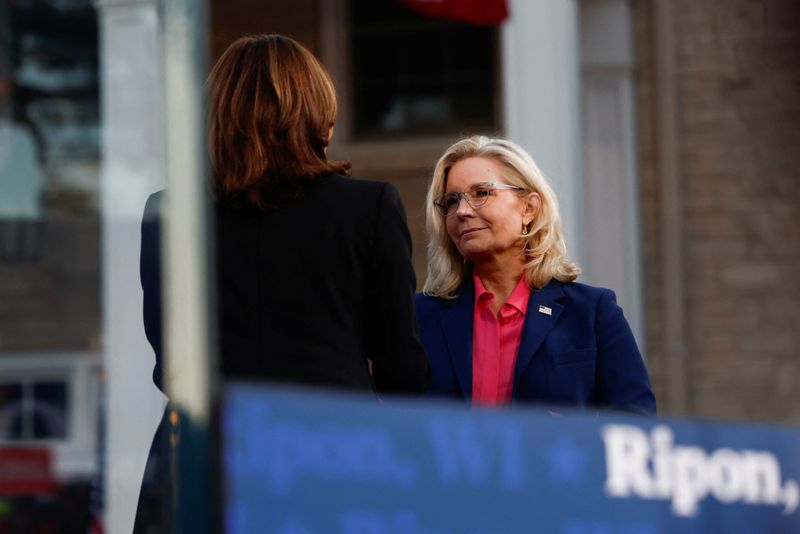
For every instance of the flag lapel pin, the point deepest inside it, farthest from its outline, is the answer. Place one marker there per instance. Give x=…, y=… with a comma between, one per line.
x=545, y=310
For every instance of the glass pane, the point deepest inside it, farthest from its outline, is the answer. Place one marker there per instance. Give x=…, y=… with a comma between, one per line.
x=50, y=274
x=10, y=411
x=416, y=74
x=49, y=175
x=50, y=413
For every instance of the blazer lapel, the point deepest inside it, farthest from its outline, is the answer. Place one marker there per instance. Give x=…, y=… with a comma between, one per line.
x=541, y=316
x=457, y=316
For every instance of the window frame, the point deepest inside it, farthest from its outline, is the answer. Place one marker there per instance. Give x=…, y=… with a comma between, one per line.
x=75, y=455
x=403, y=152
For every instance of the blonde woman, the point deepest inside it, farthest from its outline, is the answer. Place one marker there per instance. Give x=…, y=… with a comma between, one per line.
x=501, y=316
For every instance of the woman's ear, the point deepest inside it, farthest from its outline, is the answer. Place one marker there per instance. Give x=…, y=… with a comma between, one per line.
x=533, y=204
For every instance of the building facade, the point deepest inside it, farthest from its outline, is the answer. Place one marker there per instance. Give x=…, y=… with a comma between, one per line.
x=669, y=128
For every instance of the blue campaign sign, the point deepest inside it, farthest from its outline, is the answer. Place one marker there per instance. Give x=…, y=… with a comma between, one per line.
x=298, y=462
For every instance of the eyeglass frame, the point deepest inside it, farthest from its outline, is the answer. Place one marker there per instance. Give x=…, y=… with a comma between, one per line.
x=444, y=210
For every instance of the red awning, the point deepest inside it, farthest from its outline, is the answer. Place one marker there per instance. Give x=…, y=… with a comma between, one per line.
x=480, y=12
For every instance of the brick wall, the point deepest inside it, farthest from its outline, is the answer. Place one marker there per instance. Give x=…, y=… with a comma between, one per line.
x=737, y=89
x=50, y=294
x=648, y=159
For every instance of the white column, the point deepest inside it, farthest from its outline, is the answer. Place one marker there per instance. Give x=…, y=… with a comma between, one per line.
x=541, y=98
x=611, y=225
x=133, y=167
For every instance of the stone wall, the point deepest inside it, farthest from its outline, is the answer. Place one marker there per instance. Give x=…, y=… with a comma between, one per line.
x=736, y=85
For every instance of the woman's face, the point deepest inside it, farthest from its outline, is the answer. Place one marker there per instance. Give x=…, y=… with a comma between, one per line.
x=491, y=232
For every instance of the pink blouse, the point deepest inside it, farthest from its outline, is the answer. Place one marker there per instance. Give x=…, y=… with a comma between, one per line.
x=495, y=343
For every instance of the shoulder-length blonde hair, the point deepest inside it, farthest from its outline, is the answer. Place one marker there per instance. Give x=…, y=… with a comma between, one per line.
x=545, y=250
x=271, y=107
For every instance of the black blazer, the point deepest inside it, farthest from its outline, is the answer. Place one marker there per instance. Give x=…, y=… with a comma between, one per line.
x=307, y=292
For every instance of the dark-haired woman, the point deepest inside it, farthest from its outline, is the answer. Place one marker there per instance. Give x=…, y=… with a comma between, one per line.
x=313, y=268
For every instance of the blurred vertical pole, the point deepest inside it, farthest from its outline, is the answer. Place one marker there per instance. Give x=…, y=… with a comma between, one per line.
x=186, y=248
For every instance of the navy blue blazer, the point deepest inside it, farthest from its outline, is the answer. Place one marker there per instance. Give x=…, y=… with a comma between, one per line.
x=576, y=349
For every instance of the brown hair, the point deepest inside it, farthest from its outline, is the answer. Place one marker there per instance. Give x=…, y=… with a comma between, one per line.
x=271, y=108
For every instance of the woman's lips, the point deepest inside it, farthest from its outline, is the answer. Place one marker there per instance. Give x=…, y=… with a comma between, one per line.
x=469, y=231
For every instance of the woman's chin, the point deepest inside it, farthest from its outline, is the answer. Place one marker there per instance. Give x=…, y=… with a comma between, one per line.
x=475, y=255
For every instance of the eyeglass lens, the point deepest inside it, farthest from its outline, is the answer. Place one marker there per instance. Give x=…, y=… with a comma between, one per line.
x=476, y=196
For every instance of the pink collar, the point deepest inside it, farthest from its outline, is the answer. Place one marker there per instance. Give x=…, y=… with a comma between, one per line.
x=519, y=297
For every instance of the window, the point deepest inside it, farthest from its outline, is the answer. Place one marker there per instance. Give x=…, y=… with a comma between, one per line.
x=34, y=409
x=412, y=74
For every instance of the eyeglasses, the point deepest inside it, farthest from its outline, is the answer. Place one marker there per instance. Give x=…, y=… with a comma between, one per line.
x=476, y=196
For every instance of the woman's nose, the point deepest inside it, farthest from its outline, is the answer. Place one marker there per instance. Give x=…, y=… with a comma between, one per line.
x=463, y=207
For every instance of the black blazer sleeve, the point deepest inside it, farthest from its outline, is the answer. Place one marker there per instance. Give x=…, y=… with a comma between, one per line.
x=150, y=275
x=399, y=363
